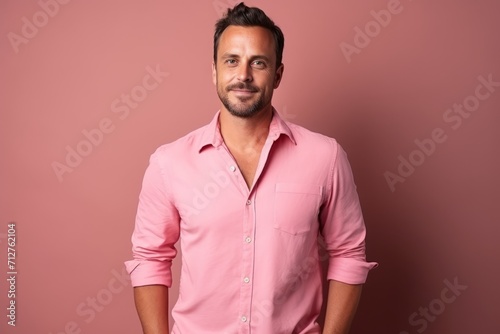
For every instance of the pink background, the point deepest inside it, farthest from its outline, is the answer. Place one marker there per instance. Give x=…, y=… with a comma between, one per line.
x=73, y=232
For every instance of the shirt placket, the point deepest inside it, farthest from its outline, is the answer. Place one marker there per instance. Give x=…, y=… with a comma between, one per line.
x=249, y=234
x=247, y=240
x=247, y=267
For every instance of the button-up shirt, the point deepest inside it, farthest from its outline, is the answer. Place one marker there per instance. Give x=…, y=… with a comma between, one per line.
x=251, y=260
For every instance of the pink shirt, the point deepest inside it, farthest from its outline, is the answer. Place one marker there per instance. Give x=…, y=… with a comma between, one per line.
x=250, y=257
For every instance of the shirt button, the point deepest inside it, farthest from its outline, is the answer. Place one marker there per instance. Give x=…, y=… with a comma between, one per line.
x=249, y=202
x=244, y=319
x=248, y=240
x=246, y=280
x=232, y=168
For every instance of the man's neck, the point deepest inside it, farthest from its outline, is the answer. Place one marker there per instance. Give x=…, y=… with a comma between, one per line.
x=242, y=134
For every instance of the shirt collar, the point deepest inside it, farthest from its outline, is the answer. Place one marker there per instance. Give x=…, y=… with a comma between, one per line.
x=212, y=136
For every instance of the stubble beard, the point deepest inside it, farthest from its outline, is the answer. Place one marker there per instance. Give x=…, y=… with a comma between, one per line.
x=241, y=109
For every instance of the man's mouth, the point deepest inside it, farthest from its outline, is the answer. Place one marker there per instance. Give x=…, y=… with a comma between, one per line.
x=243, y=93
x=243, y=89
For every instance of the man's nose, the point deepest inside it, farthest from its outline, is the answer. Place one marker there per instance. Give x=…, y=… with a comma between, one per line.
x=245, y=72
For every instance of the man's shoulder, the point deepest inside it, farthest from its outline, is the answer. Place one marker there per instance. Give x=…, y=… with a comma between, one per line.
x=187, y=143
x=309, y=138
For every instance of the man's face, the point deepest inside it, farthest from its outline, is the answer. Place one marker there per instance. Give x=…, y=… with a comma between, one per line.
x=245, y=73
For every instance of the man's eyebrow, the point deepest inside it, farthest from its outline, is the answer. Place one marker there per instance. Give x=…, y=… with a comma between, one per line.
x=262, y=57
x=229, y=55
x=233, y=55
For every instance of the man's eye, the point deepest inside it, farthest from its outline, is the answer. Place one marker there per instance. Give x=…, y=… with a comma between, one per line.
x=231, y=61
x=259, y=64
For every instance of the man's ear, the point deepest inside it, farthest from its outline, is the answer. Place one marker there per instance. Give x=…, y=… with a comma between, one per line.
x=214, y=73
x=278, y=75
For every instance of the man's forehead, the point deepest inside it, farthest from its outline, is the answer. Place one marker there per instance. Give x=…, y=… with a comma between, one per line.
x=245, y=34
x=255, y=40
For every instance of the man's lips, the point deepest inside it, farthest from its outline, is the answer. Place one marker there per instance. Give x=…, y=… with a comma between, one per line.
x=242, y=88
x=243, y=91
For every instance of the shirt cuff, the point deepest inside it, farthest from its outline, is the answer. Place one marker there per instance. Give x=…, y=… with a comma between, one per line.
x=349, y=271
x=149, y=272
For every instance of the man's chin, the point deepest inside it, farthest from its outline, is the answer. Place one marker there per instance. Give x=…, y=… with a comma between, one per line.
x=242, y=98
x=243, y=107
x=242, y=113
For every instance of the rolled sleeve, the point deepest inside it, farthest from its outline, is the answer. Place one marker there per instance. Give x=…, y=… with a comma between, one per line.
x=342, y=225
x=156, y=230
x=149, y=272
x=350, y=271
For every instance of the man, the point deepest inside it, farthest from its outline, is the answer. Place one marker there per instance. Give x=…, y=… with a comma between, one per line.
x=247, y=195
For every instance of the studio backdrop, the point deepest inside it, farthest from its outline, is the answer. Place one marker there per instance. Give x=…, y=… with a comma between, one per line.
x=410, y=89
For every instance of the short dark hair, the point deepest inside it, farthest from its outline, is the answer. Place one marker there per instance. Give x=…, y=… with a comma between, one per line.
x=244, y=16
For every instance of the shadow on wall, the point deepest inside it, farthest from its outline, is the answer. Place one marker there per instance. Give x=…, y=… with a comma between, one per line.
x=388, y=291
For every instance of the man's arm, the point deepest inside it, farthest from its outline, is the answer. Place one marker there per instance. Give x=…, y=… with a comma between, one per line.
x=342, y=304
x=151, y=302
x=343, y=230
x=157, y=229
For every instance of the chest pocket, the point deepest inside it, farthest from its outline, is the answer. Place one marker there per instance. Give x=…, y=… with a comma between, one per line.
x=296, y=207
